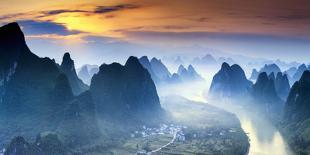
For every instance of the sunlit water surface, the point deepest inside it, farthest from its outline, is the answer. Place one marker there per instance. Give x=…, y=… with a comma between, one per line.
x=265, y=139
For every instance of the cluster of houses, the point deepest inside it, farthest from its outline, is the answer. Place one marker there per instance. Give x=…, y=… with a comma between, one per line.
x=2, y=151
x=162, y=130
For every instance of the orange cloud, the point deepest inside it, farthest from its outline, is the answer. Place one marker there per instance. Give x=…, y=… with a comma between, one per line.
x=113, y=18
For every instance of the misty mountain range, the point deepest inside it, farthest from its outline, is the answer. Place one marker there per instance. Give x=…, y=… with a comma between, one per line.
x=57, y=108
x=289, y=105
x=37, y=92
x=160, y=73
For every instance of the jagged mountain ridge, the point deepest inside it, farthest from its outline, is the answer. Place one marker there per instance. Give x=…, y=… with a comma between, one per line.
x=208, y=59
x=43, y=96
x=158, y=71
x=268, y=68
x=36, y=94
x=189, y=74
x=182, y=75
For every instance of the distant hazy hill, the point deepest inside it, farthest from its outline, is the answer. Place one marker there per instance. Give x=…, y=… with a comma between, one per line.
x=144, y=60
x=254, y=74
x=268, y=68
x=205, y=60
x=227, y=60
x=158, y=71
x=189, y=74
x=291, y=71
x=297, y=75
x=86, y=72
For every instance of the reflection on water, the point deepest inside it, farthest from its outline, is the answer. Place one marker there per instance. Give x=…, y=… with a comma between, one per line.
x=265, y=139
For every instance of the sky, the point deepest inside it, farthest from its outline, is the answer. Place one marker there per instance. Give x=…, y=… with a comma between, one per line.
x=97, y=31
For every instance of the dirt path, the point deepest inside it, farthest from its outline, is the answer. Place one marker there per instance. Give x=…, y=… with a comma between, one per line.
x=170, y=142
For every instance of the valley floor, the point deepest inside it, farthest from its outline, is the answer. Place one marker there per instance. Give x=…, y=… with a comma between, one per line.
x=195, y=128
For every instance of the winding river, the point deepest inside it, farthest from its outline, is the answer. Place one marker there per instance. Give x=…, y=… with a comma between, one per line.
x=265, y=138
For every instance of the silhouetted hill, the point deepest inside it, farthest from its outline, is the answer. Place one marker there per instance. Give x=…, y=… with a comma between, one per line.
x=68, y=68
x=282, y=85
x=125, y=92
x=35, y=93
x=12, y=48
x=297, y=107
x=264, y=92
x=19, y=146
x=44, y=145
x=272, y=76
x=229, y=81
x=296, y=120
x=79, y=124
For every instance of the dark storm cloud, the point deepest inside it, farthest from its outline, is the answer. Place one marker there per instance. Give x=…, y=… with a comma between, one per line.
x=107, y=9
x=32, y=27
x=293, y=17
x=201, y=19
x=56, y=12
x=143, y=28
x=6, y=17
x=97, y=10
